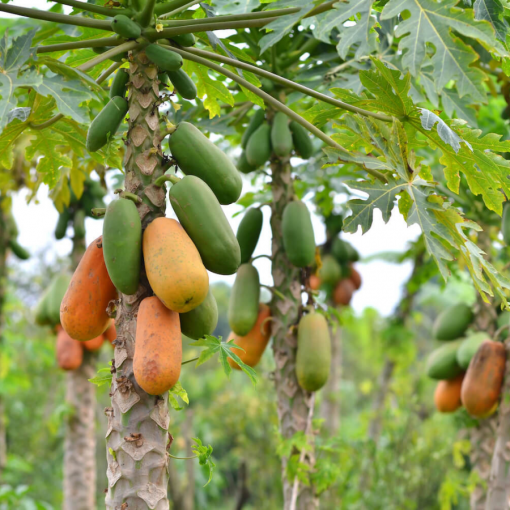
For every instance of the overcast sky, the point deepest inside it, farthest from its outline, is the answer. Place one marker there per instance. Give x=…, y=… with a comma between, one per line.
x=382, y=282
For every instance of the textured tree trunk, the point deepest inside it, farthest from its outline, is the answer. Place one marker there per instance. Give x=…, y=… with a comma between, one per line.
x=499, y=482
x=331, y=403
x=138, y=423
x=295, y=406
x=80, y=440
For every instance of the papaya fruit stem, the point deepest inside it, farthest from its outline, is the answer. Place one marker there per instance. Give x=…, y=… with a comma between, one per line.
x=500, y=330
x=130, y=196
x=92, y=43
x=182, y=8
x=98, y=212
x=161, y=9
x=262, y=256
x=160, y=181
x=190, y=360
x=274, y=291
x=144, y=17
x=182, y=458
x=98, y=9
x=122, y=48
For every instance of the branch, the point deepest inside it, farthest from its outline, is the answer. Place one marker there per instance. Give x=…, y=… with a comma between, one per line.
x=78, y=45
x=98, y=9
x=289, y=83
x=57, y=18
x=180, y=9
x=169, y=6
x=108, y=71
x=129, y=45
x=145, y=16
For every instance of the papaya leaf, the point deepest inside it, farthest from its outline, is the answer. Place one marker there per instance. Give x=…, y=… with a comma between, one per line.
x=432, y=22
x=103, y=376
x=7, y=138
x=224, y=350
x=204, y=454
x=455, y=106
x=177, y=391
x=493, y=12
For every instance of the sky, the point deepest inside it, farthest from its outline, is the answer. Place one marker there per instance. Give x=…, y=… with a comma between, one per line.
x=382, y=282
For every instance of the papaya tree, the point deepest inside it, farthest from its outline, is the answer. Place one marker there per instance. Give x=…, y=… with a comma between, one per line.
x=380, y=138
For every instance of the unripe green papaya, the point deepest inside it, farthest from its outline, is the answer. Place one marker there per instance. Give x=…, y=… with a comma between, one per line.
x=106, y=124
x=183, y=84
x=119, y=84
x=126, y=27
x=503, y=319
x=18, y=250
x=281, y=137
x=352, y=253
x=302, y=142
x=258, y=148
x=197, y=155
x=202, y=217
x=116, y=58
x=88, y=202
x=453, y=322
x=185, y=40
x=248, y=233
x=468, y=348
x=298, y=236
x=122, y=244
x=313, y=358
x=243, y=165
x=94, y=188
x=442, y=362
x=63, y=220
x=505, y=224
x=339, y=250
x=41, y=310
x=79, y=224
x=255, y=121
x=331, y=270
x=243, y=308
x=56, y=291
x=166, y=60
x=202, y=320
x=164, y=80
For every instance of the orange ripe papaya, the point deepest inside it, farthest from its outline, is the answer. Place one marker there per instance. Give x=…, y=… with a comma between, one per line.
x=447, y=395
x=69, y=351
x=255, y=342
x=111, y=333
x=355, y=278
x=83, y=309
x=158, y=347
x=482, y=384
x=314, y=282
x=173, y=266
x=95, y=344
x=343, y=292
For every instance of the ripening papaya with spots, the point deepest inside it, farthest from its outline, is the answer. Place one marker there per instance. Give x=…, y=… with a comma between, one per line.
x=83, y=309
x=173, y=265
x=447, y=395
x=158, y=347
x=255, y=342
x=95, y=344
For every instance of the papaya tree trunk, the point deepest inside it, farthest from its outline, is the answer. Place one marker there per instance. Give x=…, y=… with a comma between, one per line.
x=4, y=240
x=498, y=496
x=295, y=406
x=138, y=423
x=80, y=439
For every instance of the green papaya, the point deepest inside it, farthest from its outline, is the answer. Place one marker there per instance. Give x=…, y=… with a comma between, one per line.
x=255, y=121
x=116, y=58
x=313, y=358
x=166, y=60
x=267, y=85
x=339, y=250
x=185, y=40
x=258, y=148
x=505, y=224
x=302, y=142
x=248, y=233
x=56, y=291
x=331, y=270
x=202, y=217
x=94, y=188
x=63, y=221
x=281, y=137
x=119, y=84
x=197, y=155
x=122, y=244
x=453, y=322
x=243, y=307
x=12, y=228
x=352, y=253
x=18, y=250
x=164, y=80
x=79, y=224
x=243, y=165
x=88, y=202
x=298, y=236
x=442, y=362
x=106, y=124
x=202, y=320
x=41, y=310
x=468, y=348
x=126, y=27
x=503, y=319
x=183, y=84
x=334, y=224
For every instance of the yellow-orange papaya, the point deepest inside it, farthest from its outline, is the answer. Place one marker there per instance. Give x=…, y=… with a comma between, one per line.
x=447, y=395
x=482, y=384
x=69, y=351
x=158, y=347
x=343, y=292
x=173, y=266
x=83, y=309
x=255, y=342
x=95, y=344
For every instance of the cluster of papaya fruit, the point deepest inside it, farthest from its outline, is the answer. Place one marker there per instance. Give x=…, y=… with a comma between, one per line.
x=261, y=139
x=470, y=366
x=69, y=351
x=79, y=209
x=12, y=233
x=106, y=124
x=337, y=276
